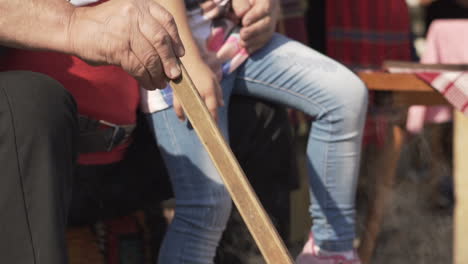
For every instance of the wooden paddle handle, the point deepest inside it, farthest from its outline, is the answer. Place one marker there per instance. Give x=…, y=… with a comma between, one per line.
x=251, y=210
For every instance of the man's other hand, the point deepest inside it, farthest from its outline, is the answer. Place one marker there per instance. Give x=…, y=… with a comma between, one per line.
x=138, y=35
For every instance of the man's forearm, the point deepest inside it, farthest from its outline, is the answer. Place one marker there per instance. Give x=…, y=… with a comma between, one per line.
x=36, y=24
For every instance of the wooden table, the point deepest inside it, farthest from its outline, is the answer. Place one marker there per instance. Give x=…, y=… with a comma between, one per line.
x=405, y=90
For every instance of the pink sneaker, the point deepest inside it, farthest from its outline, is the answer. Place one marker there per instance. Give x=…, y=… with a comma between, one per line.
x=310, y=256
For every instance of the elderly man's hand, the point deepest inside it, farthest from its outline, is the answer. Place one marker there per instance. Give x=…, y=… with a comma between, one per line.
x=259, y=18
x=138, y=35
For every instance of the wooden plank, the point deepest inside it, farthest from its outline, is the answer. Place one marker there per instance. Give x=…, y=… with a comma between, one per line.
x=425, y=67
x=404, y=82
x=406, y=89
x=461, y=186
x=254, y=215
x=418, y=98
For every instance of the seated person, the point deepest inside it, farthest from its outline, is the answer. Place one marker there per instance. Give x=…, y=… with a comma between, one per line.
x=223, y=62
x=107, y=100
x=38, y=117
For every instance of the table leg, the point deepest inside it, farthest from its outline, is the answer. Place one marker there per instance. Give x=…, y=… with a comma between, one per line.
x=460, y=142
x=385, y=180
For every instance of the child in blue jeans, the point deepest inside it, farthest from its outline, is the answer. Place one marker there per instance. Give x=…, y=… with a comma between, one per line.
x=283, y=71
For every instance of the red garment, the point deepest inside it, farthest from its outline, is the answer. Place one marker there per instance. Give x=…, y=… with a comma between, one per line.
x=363, y=33
x=293, y=20
x=104, y=93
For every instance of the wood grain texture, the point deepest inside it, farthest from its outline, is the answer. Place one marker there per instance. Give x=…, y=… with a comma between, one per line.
x=254, y=215
x=406, y=89
x=405, y=82
x=425, y=67
x=461, y=186
x=418, y=98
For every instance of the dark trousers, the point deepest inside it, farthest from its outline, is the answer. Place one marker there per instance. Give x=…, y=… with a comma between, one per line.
x=38, y=136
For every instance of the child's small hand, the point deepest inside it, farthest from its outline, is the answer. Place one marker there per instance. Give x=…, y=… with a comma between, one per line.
x=207, y=84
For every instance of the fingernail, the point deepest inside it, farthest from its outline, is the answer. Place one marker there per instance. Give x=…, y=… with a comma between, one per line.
x=175, y=71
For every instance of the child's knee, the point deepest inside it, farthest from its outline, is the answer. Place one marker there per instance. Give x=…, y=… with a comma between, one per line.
x=358, y=96
x=351, y=101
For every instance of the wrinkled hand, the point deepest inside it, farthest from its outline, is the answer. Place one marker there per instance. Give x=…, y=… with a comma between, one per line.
x=207, y=84
x=138, y=35
x=259, y=18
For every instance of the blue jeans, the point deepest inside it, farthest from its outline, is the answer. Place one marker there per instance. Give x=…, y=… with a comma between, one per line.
x=289, y=73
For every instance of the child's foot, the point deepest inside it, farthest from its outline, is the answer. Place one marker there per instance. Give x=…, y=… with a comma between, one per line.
x=312, y=254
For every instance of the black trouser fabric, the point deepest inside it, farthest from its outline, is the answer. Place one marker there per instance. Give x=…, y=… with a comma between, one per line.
x=38, y=136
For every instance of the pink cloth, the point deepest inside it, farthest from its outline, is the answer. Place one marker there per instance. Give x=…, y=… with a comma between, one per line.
x=447, y=43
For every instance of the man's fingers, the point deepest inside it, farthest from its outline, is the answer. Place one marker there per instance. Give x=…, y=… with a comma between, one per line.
x=240, y=7
x=159, y=38
x=166, y=20
x=148, y=58
x=140, y=73
x=178, y=108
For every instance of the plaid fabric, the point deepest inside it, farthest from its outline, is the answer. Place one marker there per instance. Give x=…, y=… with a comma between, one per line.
x=292, y=20
x=363, y=33
x=452, y=85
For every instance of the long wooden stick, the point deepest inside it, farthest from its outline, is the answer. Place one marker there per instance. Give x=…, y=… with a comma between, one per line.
x=254, y=215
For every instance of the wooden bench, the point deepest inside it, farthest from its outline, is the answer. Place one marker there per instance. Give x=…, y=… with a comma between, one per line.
x=405, y=90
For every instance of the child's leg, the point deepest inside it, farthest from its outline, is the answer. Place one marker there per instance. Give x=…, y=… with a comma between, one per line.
x=290, y=73
x=203, y=204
